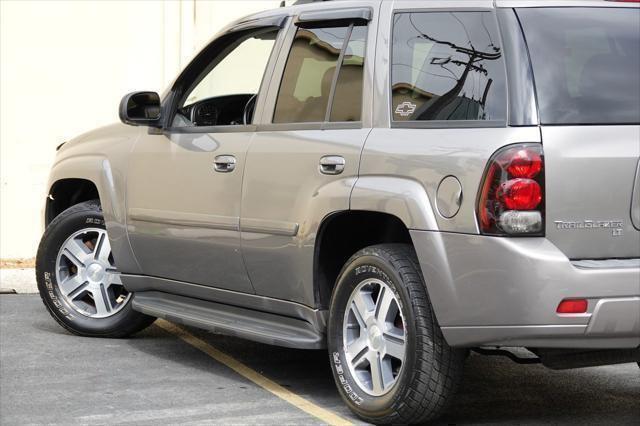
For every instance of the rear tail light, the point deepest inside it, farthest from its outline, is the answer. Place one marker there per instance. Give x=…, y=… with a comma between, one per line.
x=511, y=200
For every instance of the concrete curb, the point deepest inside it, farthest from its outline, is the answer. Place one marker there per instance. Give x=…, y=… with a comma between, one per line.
x=19, y=280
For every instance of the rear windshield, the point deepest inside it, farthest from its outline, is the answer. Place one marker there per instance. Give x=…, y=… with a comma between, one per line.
x=586, y=63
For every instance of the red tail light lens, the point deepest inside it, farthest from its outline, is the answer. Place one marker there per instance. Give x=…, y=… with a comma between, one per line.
x=522, y=163
x=573, y=306
x=511, y=200
x=520, y=194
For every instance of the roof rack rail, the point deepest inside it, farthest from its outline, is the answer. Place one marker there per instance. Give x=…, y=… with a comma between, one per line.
x=283, y=2
x=308, y=1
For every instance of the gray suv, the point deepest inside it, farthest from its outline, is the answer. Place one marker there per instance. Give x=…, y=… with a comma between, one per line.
x=399, y=182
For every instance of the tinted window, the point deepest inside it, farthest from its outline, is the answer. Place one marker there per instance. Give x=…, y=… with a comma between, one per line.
x=347, y=101
x=237, y=71
x=447, y=66
x=586, y=63
x=308, y=77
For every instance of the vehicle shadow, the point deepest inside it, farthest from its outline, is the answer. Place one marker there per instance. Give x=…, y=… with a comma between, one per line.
x=302, y=371
x=499, y=391
x=494, y=390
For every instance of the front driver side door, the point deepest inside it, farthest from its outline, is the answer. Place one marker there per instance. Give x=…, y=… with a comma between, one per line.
x=184, y=182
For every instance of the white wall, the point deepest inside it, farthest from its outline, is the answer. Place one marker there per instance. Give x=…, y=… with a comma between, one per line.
x=64, y=65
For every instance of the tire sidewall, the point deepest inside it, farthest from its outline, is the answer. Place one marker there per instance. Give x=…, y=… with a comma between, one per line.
x=359, y=269
x=55, y=236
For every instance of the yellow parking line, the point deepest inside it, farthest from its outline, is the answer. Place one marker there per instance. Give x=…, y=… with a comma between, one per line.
x=305, y=405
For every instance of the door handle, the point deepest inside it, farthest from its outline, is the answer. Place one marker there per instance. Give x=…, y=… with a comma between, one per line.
x=332, y=164
x=224, y=163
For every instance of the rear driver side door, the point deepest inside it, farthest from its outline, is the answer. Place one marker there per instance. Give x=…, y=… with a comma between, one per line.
x=303, y=160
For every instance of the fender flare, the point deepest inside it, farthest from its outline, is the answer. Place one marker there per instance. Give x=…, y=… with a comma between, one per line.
x=400, y=197
x=111, y=190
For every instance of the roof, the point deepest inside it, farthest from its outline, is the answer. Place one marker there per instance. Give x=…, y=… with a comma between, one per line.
x=309, y=5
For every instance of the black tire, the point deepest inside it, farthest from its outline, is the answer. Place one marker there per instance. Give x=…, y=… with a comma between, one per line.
x=431, y=370
x=121, y=324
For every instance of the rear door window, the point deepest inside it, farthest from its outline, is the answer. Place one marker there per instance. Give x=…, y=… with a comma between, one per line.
x=347, y=100
x=447, y=66
x=586, y=63
x=310, y=88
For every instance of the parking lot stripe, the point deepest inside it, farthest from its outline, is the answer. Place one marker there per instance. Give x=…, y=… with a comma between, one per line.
x=267, y=384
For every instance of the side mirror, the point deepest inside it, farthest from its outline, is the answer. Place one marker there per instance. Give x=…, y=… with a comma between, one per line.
x=140, y=109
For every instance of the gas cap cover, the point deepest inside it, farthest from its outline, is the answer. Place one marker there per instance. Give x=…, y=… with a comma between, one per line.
x=449, y=197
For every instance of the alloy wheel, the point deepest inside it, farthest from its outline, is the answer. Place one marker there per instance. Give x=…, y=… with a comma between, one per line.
x=374, y=337
x=87, y=277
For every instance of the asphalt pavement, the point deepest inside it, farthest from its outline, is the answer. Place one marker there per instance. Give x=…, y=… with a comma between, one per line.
x=50, y=376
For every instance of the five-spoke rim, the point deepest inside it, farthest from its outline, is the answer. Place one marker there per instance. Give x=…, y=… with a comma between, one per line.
x=87, y=277
x=374, y=337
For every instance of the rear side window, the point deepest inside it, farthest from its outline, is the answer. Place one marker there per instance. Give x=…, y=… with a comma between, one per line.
x=310, y=86
x=447, y=66
x=586, y=63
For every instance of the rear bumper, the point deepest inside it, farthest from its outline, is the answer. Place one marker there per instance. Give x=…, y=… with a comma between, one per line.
x=504, y=291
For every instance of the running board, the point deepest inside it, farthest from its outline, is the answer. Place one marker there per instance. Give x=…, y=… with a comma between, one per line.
x=230, y=320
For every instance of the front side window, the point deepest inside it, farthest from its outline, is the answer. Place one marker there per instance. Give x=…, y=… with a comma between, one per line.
x=309, y=76
x=447, y=66
x=224, y=92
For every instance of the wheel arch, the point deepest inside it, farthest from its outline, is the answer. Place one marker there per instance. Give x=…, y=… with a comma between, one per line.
x=342, y=234
x=79, y=178
x=401, y=197
x=89, y=173
x=67, y=192
x=382, y=210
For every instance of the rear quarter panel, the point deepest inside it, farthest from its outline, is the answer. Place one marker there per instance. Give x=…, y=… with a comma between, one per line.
x=426, y=156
